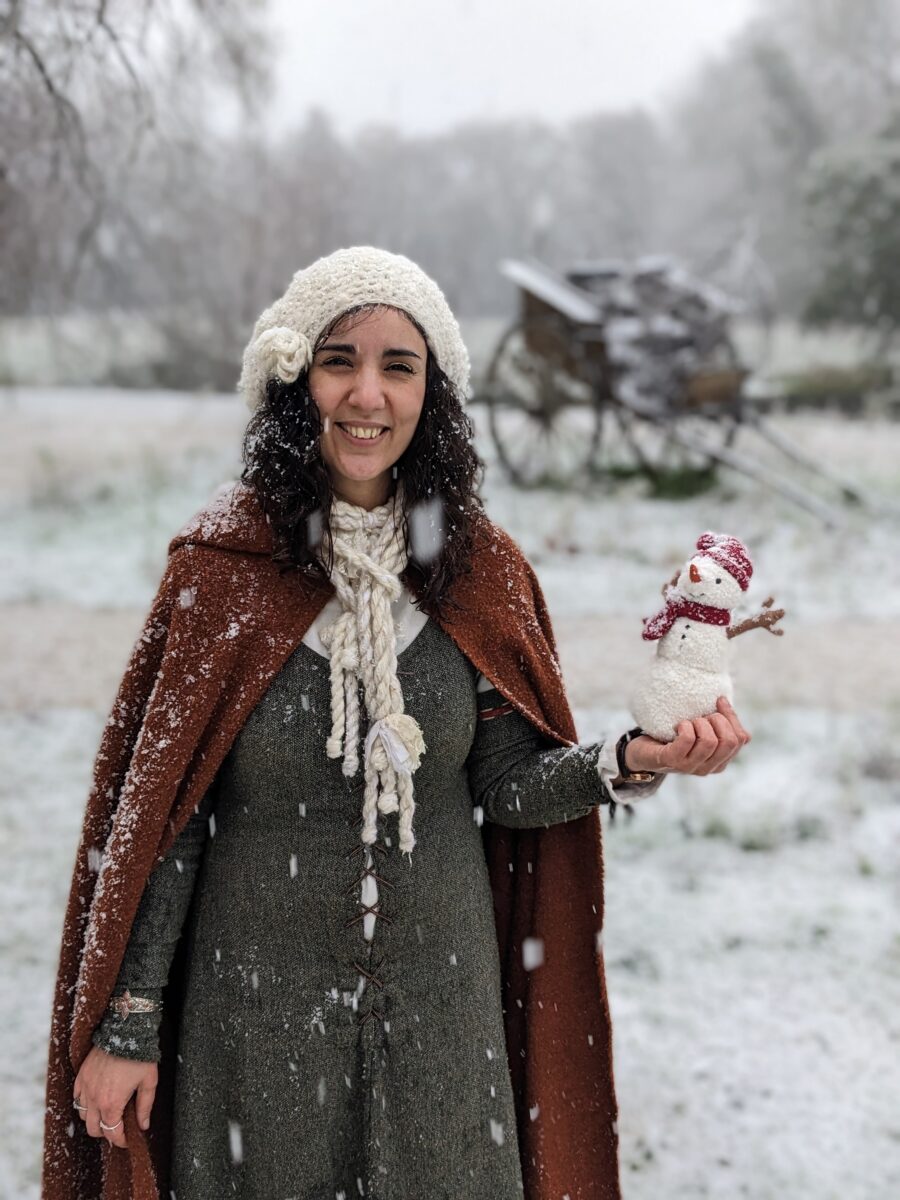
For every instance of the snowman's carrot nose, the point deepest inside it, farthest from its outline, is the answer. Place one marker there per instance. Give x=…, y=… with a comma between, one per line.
x=695, y=575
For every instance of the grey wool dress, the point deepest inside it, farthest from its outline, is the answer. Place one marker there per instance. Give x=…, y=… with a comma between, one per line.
x=315, y=1062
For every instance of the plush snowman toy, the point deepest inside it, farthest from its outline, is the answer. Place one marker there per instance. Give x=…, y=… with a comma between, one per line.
x=691, y=667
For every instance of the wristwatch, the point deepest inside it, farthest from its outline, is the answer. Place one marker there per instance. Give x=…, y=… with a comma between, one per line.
x=627, y=775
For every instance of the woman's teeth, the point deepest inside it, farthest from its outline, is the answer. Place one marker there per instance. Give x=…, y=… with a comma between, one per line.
x=359, y=431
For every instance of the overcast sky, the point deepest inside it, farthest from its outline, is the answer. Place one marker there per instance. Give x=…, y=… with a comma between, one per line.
x=425, y=65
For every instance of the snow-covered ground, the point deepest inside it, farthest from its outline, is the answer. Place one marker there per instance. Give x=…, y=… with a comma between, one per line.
x=751, y=938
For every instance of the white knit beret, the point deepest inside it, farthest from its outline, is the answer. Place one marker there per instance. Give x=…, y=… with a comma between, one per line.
x=284, y=335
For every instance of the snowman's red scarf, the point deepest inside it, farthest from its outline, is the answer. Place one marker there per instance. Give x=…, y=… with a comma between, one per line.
x=679, y=606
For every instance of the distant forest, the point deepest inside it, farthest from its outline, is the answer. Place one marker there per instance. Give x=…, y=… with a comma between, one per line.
x=118, y=188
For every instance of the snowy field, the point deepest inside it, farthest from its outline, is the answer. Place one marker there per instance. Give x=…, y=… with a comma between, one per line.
x=752, y=937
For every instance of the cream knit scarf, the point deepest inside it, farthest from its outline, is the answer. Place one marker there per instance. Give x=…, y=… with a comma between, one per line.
x=369, y=554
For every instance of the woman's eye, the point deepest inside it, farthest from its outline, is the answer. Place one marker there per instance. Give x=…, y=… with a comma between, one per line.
x=339, y=360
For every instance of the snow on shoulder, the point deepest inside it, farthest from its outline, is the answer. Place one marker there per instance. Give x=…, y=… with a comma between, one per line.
x=233, y=519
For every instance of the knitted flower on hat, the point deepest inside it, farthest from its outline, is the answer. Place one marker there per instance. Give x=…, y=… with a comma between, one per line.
x=285, y=334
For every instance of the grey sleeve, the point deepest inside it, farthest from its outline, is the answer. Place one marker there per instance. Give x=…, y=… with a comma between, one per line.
x=154, y=935
x=521, y=777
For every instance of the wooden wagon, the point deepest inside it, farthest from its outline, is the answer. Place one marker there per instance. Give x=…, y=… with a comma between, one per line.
x=615, y=368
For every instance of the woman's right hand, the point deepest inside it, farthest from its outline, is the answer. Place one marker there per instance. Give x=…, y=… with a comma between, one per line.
x=103, y=1087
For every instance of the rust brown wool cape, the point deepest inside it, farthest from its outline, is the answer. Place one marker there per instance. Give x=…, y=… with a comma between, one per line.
x=222, y=624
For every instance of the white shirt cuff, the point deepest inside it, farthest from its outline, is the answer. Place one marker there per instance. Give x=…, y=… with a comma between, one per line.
x=608, y=769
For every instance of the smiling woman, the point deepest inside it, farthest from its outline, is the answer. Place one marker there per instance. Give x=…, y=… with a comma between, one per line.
x=341, y=868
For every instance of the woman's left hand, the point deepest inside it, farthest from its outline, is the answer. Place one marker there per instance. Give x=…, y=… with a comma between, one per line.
x=703, y=746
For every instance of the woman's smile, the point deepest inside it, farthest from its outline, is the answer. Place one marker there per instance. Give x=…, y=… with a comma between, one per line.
x=362, y=435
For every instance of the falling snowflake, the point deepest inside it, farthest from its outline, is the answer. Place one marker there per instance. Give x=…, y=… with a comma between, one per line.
x=532, y=953
x=236, y=1142
x=426, y=529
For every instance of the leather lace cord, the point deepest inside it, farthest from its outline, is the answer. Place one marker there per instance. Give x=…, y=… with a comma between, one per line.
x=371, y=974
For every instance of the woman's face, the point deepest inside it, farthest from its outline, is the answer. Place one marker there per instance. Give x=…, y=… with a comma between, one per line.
x=368, y=375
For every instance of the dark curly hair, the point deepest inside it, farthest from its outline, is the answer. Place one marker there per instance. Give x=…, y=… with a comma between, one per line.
x=440, y=469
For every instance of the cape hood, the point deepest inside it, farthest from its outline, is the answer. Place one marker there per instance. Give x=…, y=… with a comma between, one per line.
x=223, y=623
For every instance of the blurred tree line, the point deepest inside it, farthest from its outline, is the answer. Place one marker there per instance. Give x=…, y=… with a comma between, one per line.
x=124, y=186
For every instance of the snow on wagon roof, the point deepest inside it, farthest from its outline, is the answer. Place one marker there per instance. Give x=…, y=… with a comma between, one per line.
x=544, y=283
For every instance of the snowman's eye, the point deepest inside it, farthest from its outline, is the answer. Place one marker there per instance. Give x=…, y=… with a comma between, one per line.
x=718, y=581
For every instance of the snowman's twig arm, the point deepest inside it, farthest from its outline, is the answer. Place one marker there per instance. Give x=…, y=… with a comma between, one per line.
x=763, y=620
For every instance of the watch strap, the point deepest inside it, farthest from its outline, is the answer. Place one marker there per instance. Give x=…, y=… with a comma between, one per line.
x=629, y=776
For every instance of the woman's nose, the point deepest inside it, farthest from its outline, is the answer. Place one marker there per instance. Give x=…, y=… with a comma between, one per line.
x=367, y=390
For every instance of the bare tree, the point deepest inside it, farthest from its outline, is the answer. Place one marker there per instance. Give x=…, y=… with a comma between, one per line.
x=848, y=54
x=86, y=87
x=803, y=76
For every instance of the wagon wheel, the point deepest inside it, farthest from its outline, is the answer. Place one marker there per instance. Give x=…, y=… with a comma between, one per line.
x=541, y=390
x=675, y=443
x=656, y=450
x=676, y=452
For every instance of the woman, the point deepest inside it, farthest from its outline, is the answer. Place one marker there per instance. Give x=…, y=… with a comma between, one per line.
x=295, y=992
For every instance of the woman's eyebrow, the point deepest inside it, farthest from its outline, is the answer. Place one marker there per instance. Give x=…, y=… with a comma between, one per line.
x=347, y=348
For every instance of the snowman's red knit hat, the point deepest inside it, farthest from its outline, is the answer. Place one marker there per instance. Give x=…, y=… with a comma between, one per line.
x=729, y=553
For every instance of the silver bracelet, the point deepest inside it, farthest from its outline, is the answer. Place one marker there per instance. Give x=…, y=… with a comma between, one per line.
x=126, y=1003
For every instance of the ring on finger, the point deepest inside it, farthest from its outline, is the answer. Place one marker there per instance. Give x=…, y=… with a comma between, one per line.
x=116, y=1126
